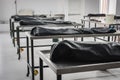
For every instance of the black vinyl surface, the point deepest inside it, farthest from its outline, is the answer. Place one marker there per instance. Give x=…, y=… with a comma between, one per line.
x=69, y=51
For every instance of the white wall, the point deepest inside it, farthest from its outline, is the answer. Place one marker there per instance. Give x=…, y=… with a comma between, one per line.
x=118, y=7
x=74, y=7
x=42, y=6
x=91, y=6
x=7, y=7
x=112, y=6
x=83, y=7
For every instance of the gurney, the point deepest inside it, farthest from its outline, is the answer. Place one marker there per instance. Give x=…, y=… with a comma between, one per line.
x=72, y=65
x=96, y=19
x=92, y=17
x=60, y=68
x=31, y=38
x=50, y=24
x=86, y=52
x=32, y=21
x=17, y=19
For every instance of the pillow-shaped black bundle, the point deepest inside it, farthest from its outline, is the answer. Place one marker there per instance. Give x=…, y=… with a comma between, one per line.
x=103, y=30
x=96, y=15
x=32, y=22
x=62, y=22
x=40, y=31
x=68, y=51
x=19, y=18
x=43, y=16
x=117, y=17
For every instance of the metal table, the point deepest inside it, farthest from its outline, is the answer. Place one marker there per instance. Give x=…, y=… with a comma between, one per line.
x=65, y=68
x=30, y=38
x=29, y=27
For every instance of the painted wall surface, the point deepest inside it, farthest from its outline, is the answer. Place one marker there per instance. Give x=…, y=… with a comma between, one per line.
x=42, y=6
x=74, y=6
x=118, y=7
x=112, y=6
x=7, y=7
x=91, y=6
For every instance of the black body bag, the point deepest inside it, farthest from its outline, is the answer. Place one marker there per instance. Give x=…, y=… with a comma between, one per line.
x=32, y=22
x=68, y=51
x=39, y=31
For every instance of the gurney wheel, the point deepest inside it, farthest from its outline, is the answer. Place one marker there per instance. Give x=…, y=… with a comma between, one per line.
x=35, y=72
x=21, y=49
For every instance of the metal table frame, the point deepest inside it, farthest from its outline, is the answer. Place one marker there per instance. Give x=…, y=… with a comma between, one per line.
x=116, y=24
x=102, y=23
x=60, y=70
x=90, y=17
x=12, y=26
x=12, y=29
x=18, y=34
x=30, y=38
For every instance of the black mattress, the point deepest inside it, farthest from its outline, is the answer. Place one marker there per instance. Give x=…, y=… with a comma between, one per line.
x=34, y=17
x=96, y=15
x=28, y=17
x=32, y=22
x=39, y=31
x=19, y=18
x=14, y=16
x=43, y=22
x=69, y=51
x=116, y=17
x=59, y=22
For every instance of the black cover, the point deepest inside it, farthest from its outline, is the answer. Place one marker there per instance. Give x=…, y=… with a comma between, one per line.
x=32, y=22
x=60, y=22
x=102, y=30
x=14, y=16
x=48, y=19
x=96, y=15
x=116, y=17
x=43, y=16
x=68, y=51
x=39, y=31
x=19, y=18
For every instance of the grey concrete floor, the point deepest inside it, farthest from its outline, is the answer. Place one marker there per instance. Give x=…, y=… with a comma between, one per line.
x=13, y=69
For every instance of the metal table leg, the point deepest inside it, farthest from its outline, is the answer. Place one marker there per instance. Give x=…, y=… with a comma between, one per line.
x=28, y=70
x=32, y=59
x=41, y=68
x=13, y=34
x=89, y=23
x=59, y=77
x=95, y=27
x=18, y=43
x=10, y=26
